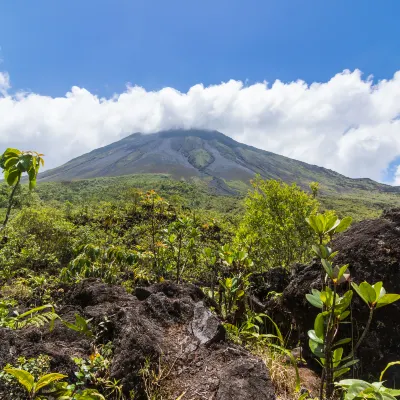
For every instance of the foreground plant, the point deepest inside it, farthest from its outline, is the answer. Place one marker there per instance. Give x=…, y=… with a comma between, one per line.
x=14, y=163
x=355, y=389
x=335, y=308
x=32, y=386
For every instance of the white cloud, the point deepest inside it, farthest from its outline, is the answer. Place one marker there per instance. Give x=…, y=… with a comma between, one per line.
x=348, y=124
x=4, y=82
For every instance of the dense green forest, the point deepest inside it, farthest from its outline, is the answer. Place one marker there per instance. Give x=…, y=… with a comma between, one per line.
x=133, y=231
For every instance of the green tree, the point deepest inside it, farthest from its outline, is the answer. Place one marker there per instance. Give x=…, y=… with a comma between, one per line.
x=273, y=229
x=15, y=163
x=314, y=186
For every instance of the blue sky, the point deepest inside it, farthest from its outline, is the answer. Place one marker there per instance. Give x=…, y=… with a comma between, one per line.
x=48, y=46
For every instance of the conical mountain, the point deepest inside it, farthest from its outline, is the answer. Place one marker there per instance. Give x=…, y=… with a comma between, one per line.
x=198, y=153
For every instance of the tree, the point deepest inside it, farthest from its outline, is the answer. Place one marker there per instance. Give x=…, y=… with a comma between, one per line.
x=314, y=186
x=15, y=163
x=273, y=230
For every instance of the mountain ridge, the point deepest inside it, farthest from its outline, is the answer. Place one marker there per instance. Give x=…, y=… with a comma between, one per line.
x=206, y=154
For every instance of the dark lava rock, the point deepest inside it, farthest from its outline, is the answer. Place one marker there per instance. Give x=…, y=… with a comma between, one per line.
x=372, y=250
x=245, y=379
x=274, y=280
x=168, y=323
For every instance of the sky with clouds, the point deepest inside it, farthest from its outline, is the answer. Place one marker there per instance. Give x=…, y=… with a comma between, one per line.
x=315, y=81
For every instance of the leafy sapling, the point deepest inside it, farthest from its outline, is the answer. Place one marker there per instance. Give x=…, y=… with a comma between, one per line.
x=14, y=164
x=335, y=308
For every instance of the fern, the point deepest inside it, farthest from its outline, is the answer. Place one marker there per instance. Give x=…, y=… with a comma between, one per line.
x=38, y=317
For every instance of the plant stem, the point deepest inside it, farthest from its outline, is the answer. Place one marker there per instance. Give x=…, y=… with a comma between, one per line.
x=321, y=387
x=10, y=203
x=330, y=334
x=362, y=337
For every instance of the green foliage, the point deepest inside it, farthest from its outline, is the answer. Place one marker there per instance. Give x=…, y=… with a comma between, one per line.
x=335, y=310
x=81, y=325
x=38, y=239
x=356, y=389
x=14, y=163
x=273, y=228
x=27, y=380
x=314, y=186
x=38, y=316
x=97, y=262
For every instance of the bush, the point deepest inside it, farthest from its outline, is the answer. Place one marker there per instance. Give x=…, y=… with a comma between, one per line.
x=273, y=229
x=37, y=239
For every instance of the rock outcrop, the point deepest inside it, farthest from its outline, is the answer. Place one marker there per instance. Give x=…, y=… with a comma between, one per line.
x=167, y=324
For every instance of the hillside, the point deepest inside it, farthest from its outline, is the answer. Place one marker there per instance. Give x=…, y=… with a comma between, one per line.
x=224, y=163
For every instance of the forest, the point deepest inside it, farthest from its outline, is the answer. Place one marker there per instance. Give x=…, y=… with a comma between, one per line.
x=93, y=275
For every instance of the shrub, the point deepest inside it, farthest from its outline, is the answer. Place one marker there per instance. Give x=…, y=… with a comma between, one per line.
x=273, y=229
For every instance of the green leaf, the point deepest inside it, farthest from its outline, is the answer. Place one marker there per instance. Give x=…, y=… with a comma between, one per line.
x=337, y=356
x=13, y=176
x=342, y=341
x=319, y=325
x=10, y=162
x=344, y=315
x=387, y=367
x=23, y=377
x=312, y=335
x=340, y=372
x=314, y=300
x=387, y=299
x=327, y=267
x=348, y=364
x=344, y=224
x=378, y=286
x=47, y=380
x=368, y=292
x=357, y=289
x=343, y=273
x=316, y=348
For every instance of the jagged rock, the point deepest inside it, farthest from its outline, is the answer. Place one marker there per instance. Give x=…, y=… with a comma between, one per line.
x=206, y=326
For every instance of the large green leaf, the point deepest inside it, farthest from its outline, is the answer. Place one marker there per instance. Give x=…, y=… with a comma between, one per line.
x=368, y=292
x=23, y=377
x=48, y=379
x=344, y=224
x=13, y=176
x=357, y=289
x=387, y=299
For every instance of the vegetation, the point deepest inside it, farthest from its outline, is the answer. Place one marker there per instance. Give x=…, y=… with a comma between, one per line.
x=335, y=309
x=273, y=227
x=60, y=234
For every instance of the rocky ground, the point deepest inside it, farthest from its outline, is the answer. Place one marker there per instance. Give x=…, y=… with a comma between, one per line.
x=168, y=324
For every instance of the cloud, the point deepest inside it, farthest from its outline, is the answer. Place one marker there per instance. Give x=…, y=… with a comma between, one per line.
x=4, y=82
x=349, y=124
